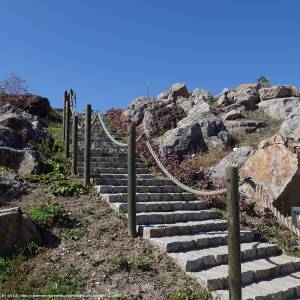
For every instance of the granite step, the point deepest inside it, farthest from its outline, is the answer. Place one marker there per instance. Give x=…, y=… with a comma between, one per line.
x=283, y=287
x=152, y=197
x=216, y=278
x=144, y=182
x=182, y=228
x=110, y=164
x=146, y=218
x=167, y=206
x=183, y=243
x=140, y=189
x=113, y=170
x=195, y=260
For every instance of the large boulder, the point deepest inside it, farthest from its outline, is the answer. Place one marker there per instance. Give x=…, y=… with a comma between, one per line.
x=16, y=231
x=178, y=90
x=236, y=158
x=279, y=108
x=213, y=130
x=244, y=125
x=278, y=91
x=10, y=138
x=27, y=126
x=247, y=98
x=290, y=127
x=135, y=111
x=182, y=140
x=24, y=161
x=276, y=167
x=162, y=118
x=245, y=86
x=11, y=186
x=34, y=105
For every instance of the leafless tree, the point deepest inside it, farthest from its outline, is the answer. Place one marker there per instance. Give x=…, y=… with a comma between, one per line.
x=14, y=85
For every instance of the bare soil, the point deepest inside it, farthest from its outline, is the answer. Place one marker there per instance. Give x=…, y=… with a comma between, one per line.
x=97, y=250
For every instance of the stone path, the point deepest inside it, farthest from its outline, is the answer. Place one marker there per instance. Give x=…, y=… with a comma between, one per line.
x=194, y=236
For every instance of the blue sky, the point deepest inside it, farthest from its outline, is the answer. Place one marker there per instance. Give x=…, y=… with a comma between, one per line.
x=107, y=49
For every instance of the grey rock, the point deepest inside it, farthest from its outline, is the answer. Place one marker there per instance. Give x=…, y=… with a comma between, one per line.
x=16, y=230
x=24, y=161
x=279, y=108
x=237, y=158
x=163, y=95
x=233, y=115
x=247, y=98
x=178, y=90
x=244, y=126
x=290, y=128
x=223, y=99
x=279, y=91
x=162, y=118
x=182, y=140
x=245, y=86
x=135, y=111
x=11, y=186
x=10, y=138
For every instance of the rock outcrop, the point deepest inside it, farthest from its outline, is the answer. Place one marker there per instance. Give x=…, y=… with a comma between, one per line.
x=290, y=128
x=182, y=140
x=34, y=105
x=278, y=91
x=236, y=158
x=16, y=231
x=279, y=108
x=11, y=186
x=159, y=119
x=135, y=111
x=275, y=166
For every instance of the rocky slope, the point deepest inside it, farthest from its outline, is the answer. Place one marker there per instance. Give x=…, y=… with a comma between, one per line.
x=241, y=120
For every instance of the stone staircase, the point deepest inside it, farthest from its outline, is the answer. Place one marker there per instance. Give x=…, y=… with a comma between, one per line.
x=180, y=224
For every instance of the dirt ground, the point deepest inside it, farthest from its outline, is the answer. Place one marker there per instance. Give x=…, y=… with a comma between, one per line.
x=99, y=249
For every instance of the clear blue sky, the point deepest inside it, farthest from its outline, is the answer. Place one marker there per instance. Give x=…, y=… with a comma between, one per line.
x=107, y=49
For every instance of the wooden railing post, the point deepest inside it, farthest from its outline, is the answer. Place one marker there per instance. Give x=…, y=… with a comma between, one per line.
x=74, y=144
x=64, y=115
x=131, y=188
x=67, y=128
x=87, y=145
x=234, y=248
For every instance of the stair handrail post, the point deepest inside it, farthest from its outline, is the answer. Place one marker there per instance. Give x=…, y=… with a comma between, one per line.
x=64, y=115
x=74, y=144
x=234, y=245
x=131, y=188
x=67, y=127
x=87, y=145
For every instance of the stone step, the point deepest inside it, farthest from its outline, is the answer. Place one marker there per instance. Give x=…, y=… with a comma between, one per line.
x=152, y=197
x=198, y=241
x=161, y=206
x=120, y=176
x=182, y=228
x=107, y=159
x=144, y=182
x=140, y=189
x=116, y=164
x=113, y=170
x=146, y=218
x=283, y=287
x=195, y=260
x=253, y=271
x=107, y=152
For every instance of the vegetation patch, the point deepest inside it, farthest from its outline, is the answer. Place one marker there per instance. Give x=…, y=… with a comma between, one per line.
x=131, y=264
x=50, y=214
x=188, y=294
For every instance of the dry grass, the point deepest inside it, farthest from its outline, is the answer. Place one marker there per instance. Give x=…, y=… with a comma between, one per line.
x=253, y=139
x=206, y=160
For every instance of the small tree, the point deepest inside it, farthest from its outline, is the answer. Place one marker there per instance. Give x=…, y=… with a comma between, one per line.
x=263, y=82
x=14, y=85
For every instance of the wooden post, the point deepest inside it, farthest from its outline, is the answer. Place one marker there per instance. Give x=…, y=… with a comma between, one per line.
x=74, y=144
x=67, y=130
x=234, y=246
x=64, y=115
x=87, y=145
x=131, y=188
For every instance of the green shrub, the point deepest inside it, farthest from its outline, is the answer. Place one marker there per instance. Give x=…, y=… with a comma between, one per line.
x=128, y=264
x=49, y=214
x=188, y=294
